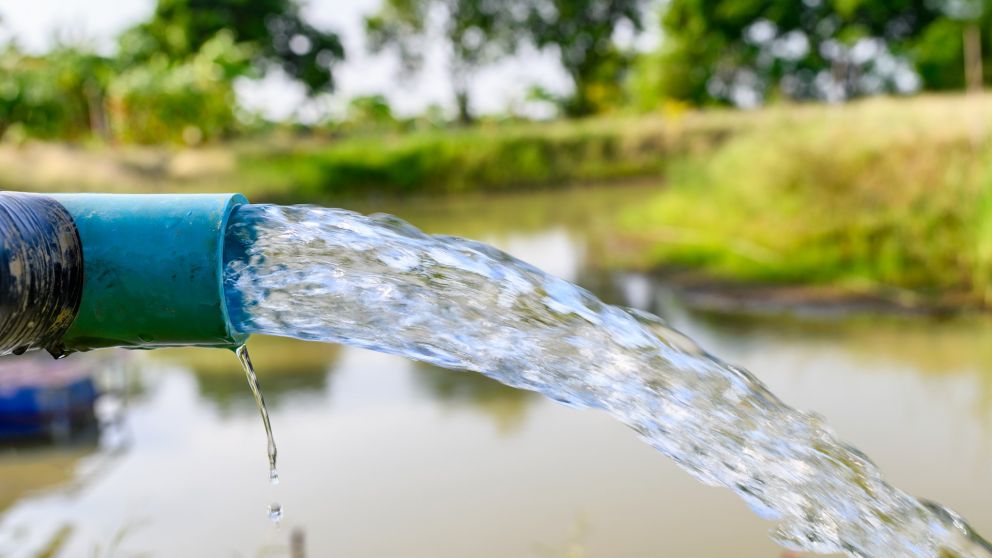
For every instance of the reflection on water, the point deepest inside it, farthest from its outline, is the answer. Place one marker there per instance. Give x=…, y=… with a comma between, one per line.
x=288, y=370
x=229, y=393
x=27, y=471
x=382, y=457
x=506, y=406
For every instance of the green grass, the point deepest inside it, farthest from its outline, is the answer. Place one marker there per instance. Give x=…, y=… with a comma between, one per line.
x=495, y=158
x=880, y=193
x=486, y=158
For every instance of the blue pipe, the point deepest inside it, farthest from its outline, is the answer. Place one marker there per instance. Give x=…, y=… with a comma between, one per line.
x=151, y=271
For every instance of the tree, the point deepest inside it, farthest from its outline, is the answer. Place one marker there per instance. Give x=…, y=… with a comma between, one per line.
x=480, y=31
x=274, y=29
x=949, y=51
x=57, y=96
x=369, y=113
x=477, y=32
x=582, y=32
x=744, y=51
x=189, y=100
x=70, y=93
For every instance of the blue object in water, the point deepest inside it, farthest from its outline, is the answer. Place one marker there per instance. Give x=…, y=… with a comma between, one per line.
x=42, y=398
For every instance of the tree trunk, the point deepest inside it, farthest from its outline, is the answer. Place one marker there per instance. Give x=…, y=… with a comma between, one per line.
x=580, y=104
x=972, y=57
x=95, y=110
x=464, y=107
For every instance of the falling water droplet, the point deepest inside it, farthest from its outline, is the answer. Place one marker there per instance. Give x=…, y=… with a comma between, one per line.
x=256, y=391
x=275, y=512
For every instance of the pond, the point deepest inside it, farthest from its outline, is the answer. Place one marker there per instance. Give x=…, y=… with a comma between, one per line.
x=383, y=457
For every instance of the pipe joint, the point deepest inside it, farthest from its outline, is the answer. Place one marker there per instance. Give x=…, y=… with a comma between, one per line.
x=41, y=273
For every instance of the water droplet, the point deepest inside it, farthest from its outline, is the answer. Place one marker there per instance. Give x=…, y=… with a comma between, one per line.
x=256, y=391
x=275, y=512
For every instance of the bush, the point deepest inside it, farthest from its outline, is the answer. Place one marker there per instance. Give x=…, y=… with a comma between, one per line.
x=185, y=101
x=878, y=193
x=497, y=158
x=59, y=96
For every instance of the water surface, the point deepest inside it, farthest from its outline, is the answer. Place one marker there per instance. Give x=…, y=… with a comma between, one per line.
x=383, y=457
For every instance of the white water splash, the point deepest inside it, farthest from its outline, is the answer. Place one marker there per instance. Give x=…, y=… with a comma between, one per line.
x=377, y=282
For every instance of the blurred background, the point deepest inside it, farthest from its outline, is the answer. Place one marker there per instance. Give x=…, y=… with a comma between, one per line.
x=805, y=187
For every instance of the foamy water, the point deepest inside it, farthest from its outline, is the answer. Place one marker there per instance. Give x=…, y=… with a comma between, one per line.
x=378, y=283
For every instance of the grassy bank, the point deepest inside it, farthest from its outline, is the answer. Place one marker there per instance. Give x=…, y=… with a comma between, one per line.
x=893, y=194
x=489, y=158
x=889, y=194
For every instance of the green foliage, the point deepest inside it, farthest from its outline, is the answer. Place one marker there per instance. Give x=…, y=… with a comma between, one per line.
x=477, y=32
x=939, y=55
x=481, y=31
x=500, y=158
x=745, y=51
x=582, y=33
x=644, y=82
x=172, y=79
x=273, y=29
x=71, y=94
x=874, y=194
x=373, y=109
x=939, y=51
x=368, y=114
x=59, y=96
x=179, y=101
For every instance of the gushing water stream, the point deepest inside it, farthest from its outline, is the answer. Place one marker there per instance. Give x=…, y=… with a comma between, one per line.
x=378, y=283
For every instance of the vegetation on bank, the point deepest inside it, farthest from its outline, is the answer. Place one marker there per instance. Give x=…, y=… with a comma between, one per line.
x=893, y=193
x=876, y=194
x=494, y=157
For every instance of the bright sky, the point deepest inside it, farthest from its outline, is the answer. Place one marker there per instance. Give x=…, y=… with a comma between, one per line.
x=36, y=24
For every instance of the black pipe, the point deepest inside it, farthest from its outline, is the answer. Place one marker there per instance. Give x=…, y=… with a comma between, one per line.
x=41, y=273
